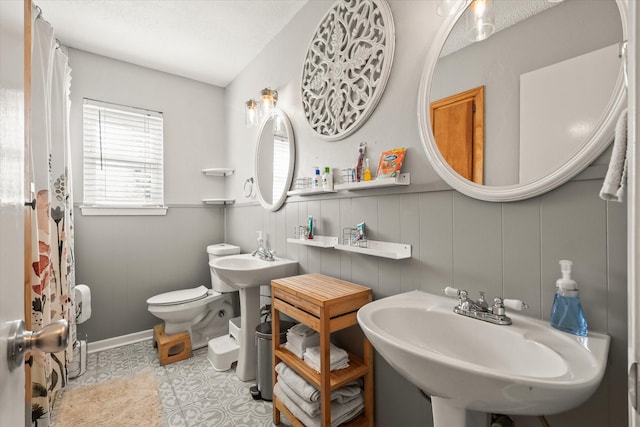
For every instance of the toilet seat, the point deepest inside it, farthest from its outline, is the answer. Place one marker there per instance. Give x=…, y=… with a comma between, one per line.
x=179, y=297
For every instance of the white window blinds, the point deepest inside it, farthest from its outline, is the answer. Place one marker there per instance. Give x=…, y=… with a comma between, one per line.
x=123, y=156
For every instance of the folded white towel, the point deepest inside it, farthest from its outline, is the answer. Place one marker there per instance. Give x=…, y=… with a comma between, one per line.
x=310, y=408
x=613, y=185
x=309, y=392
x=340, y=413
x=298, y=344
x=301, y=329
x=299, y=337
x=338, y=358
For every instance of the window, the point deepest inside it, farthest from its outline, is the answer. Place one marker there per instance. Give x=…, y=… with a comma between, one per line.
x=123, y=158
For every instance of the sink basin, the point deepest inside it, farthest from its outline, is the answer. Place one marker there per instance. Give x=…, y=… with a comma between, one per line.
x=247, y=273
x=242, y=271
x=527, y=368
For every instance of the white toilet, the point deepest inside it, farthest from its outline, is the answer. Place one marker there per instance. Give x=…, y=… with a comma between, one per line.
x=203, y=312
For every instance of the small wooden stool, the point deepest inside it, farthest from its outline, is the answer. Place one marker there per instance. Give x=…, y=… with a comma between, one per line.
x=171, y=348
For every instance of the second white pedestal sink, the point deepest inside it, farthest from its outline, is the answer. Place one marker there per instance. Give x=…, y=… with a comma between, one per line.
x=527, y=368
x=247, y=273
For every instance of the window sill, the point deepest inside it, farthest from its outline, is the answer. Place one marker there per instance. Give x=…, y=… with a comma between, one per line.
x=112, y=211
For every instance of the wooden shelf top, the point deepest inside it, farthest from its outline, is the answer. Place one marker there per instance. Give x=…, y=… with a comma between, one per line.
x=319, y=289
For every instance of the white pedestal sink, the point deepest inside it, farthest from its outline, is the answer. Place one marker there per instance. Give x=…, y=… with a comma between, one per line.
x=247, y=273
x=464, y=364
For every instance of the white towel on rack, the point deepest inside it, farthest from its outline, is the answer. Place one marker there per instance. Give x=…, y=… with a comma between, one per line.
x=301, y=330
x=308, y=392
x=613, y=185
x=299, y=337
x=338, y=358
x=340, y=413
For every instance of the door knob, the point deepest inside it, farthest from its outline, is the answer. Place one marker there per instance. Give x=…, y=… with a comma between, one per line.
x=52, y=338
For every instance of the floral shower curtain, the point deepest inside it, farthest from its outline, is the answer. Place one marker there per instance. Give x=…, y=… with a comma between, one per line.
x=52, y=275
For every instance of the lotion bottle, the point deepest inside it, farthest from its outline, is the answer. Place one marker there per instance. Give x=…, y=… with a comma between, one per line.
x=316, y=178
x=566, y=312
x=367, y=171
x=327, y=179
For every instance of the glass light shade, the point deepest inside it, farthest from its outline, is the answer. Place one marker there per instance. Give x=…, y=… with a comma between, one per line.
x=448, y=7
x=251, y=114
x=481, y=20
x=268, y=99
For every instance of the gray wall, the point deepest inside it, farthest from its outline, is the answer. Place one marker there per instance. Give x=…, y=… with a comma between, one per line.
x=509, y=249
x=126, y=259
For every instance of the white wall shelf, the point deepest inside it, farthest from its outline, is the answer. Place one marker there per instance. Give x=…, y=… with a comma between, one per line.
x=401, y=179
x=380, y=249
x=218, y=171
x=309, y=192
x=317, y=241
x=218, y=201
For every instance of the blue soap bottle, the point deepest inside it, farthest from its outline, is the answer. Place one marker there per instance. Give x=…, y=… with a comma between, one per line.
x=566, y=313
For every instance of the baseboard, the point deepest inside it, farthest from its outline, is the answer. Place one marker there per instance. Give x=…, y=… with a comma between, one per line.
x=114, y=342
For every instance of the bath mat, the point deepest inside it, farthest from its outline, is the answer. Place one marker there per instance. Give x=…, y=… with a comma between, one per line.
x=131, y=401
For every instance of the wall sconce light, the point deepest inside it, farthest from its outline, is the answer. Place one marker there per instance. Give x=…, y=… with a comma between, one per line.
x=251, y=114
x=481, y=20
x=268, y=99
x=449, y=7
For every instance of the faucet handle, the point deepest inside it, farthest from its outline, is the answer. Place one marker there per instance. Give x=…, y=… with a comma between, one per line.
x=452, y=292
x=515, y=304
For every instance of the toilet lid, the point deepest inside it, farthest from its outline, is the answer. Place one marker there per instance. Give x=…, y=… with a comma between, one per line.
x=179, y=297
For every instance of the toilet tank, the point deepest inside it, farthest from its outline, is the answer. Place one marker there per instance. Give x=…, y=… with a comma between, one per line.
x=217, y=251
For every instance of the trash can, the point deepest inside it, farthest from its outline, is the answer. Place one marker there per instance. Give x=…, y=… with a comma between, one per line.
x=264, y=376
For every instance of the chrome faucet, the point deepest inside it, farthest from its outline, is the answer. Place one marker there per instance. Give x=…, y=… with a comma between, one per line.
x=262, y=251
x=480, y=309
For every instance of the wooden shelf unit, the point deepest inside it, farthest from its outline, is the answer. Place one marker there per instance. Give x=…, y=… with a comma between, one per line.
x=326, y=305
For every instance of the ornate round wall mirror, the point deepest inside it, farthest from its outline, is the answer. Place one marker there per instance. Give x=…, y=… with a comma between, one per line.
x=528, y=108
x=275, y=155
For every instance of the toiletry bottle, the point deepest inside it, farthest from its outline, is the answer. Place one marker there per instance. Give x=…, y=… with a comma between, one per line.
x=316, y=178
x=359, y=163
x=367, y=171
x=327, y=179
x=566, y=311
x=310, y=227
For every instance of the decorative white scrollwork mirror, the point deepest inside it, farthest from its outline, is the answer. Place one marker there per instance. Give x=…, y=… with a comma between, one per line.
x=274, y=161
x=537, y=75
x=347, y=66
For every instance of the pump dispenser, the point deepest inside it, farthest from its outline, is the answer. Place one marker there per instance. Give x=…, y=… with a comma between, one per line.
x=316, y=178
x=327, y=179
x=566, y=313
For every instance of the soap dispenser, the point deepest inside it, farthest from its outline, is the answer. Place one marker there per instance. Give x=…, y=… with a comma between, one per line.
x=566, y=312
x=327, y=179
x=316, y=178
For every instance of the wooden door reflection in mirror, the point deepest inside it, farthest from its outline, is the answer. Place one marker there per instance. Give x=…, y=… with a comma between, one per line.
x=458, y=128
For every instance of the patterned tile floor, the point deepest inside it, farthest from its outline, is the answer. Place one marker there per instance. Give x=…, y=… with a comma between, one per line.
x=191, y=391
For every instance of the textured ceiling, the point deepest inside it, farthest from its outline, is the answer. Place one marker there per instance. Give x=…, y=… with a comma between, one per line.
x=205, y=40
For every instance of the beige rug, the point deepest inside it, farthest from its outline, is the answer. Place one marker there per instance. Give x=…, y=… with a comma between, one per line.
x=131, y=401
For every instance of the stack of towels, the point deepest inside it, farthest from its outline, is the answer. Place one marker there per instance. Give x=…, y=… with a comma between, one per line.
x=338, y=358
x=303, y=399
x=304, y=342
x=299, y=337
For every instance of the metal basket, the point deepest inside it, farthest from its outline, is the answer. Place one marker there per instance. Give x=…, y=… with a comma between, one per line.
x=303, y=183
x=351, y=236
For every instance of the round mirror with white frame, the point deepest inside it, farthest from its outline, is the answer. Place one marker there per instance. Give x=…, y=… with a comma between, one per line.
x=513, y=77
x=274, y=161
